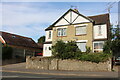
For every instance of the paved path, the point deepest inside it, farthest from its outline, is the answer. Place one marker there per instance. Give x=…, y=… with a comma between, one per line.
x=19, y=70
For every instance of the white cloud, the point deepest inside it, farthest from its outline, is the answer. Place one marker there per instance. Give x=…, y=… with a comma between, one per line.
x=14, y=15
x=27, y=20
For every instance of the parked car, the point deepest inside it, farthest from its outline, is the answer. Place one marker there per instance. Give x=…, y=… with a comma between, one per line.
x=116, y=61
x=38, y=54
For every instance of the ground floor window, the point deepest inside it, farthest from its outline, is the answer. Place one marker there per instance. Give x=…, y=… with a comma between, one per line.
x=98, y=46
x=82, y=46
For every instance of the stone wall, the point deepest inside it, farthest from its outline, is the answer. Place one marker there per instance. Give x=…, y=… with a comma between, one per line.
x=58, y=64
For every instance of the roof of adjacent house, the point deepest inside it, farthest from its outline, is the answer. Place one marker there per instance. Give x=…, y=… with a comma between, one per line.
x=97, y=19
x=40, y=45
x=100, y=19
x=17, y=40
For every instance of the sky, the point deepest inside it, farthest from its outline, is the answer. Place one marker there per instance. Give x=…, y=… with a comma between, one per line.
x=31, y=18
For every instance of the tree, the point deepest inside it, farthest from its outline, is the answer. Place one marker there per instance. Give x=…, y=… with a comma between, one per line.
x=41, y=39
x=113, y=45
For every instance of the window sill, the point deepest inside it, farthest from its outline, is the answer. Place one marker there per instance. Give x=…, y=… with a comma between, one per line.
x=81, y=35
x=61, y=36
x=49, y=38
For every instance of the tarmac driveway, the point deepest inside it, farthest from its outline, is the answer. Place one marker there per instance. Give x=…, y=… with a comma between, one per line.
x=20, y=69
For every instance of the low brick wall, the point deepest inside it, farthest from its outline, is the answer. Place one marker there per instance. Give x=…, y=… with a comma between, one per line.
x=58, y=64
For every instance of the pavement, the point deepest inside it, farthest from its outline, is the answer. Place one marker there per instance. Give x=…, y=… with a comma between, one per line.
x=19, y=71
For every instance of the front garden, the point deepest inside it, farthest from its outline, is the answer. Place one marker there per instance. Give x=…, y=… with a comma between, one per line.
x=70, y=50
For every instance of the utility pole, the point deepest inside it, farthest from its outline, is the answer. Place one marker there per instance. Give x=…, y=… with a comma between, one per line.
x=109, y=7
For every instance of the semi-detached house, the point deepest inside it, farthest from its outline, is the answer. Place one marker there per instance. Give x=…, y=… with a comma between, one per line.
x=91, y=31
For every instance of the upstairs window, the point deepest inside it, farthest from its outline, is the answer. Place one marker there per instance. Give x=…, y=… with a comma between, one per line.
x=62, y=32
x=80, y=30
x=99, y=30
x=49, y=35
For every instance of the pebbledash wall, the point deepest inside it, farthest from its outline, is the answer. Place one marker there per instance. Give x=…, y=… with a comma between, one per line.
x=58, y=64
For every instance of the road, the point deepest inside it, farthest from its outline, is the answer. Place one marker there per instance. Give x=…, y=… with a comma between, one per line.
x=18, y=71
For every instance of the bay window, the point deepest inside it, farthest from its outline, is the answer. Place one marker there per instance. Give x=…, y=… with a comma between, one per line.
x=98, y=46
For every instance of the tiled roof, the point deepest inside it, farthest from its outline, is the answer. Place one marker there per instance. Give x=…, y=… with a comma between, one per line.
x=100, y=19
x=40, y=45
x=16, y=40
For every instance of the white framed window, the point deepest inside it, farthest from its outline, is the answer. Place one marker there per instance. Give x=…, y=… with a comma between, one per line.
x=49, y=37
x=62, y=32
x=80, y=30
x=98, y=46
x=82, y=46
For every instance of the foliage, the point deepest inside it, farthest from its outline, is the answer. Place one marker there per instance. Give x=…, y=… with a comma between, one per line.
x=88, y=49
x=65, y=50
x=70, y=51
x=94, y=57
x=6, y=52
x=107, y=46
x=41, y=39
x=113, y=45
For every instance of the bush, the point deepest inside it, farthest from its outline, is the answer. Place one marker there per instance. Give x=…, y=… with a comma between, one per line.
x=88, y=49
x=70, y=51
x=65, y=50
x=94, y=57
x=6, y=52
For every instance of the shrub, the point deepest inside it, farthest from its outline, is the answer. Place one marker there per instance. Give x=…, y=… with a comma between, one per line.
x=70, y=51
x=94, y=57
x=88, y=49
x=65, y=50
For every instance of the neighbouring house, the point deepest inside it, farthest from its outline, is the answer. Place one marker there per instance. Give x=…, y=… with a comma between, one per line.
x=22, y=46
x=91, y=31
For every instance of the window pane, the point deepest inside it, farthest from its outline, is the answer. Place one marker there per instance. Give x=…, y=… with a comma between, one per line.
x=62, y=32
x=99, y=31
x=95, y=45
x=80, y=30
x=82, y=46
x=100, y=45
x=49, y=34
x=59, y=32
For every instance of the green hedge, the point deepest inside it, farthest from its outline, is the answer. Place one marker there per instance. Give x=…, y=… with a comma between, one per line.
x=94, y=57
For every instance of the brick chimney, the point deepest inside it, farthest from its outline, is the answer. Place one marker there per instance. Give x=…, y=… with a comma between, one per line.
x=76, y=10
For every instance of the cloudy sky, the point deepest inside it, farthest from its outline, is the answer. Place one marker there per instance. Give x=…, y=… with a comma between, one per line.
x=31, y=18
